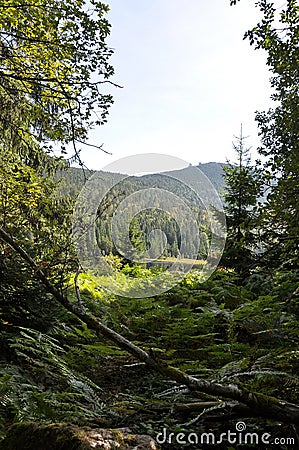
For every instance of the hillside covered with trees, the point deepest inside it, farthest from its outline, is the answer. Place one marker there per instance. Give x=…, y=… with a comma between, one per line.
x=71, y=182
x=185, y=366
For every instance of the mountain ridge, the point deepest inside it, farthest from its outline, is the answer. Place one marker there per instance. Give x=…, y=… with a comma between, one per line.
x=73, y=179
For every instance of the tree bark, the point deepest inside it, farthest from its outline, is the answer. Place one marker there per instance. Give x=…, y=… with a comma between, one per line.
x=261, y=405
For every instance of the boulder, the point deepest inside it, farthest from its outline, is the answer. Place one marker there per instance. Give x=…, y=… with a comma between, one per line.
x=33, y=436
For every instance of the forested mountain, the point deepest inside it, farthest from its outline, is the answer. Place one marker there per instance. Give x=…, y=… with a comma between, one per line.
x=214, y=171
x=178, y=182
x=74, y=178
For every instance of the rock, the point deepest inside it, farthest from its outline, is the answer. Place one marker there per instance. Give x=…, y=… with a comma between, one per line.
x=33, y=436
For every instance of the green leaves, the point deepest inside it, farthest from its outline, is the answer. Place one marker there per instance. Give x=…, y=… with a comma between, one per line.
x=54, y=59
x=278, y=34
x=26, y=389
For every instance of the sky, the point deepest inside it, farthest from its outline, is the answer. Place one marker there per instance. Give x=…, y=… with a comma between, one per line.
x=189, y=80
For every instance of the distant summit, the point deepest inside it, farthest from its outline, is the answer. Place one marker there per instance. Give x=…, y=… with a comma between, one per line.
x=214, y=171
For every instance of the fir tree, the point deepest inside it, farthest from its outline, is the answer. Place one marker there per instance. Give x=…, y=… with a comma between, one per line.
x=243, y=188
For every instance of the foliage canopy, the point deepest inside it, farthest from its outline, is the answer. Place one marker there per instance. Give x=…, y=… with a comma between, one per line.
x=54, y=61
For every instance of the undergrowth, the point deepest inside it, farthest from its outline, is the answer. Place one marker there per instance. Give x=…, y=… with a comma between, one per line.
x=218, y=330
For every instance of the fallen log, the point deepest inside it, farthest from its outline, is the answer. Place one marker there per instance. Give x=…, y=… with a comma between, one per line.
x=259, y=404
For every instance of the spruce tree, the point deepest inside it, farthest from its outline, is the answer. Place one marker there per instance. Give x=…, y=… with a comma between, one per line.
x=243, y=188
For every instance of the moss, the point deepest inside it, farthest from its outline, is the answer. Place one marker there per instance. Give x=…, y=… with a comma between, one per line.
x=32, y=436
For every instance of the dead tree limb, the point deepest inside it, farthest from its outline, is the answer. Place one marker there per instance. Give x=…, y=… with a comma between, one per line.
x=261, y=405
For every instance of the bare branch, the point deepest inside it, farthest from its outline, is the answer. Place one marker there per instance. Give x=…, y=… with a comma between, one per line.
x=99, y=147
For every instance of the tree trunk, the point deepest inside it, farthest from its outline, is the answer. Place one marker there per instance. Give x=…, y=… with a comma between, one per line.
x=261, y=405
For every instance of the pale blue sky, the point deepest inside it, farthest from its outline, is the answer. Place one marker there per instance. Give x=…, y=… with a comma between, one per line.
x=189, y=80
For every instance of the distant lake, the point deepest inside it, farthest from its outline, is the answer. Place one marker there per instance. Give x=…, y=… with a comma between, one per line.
x=196, y=264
